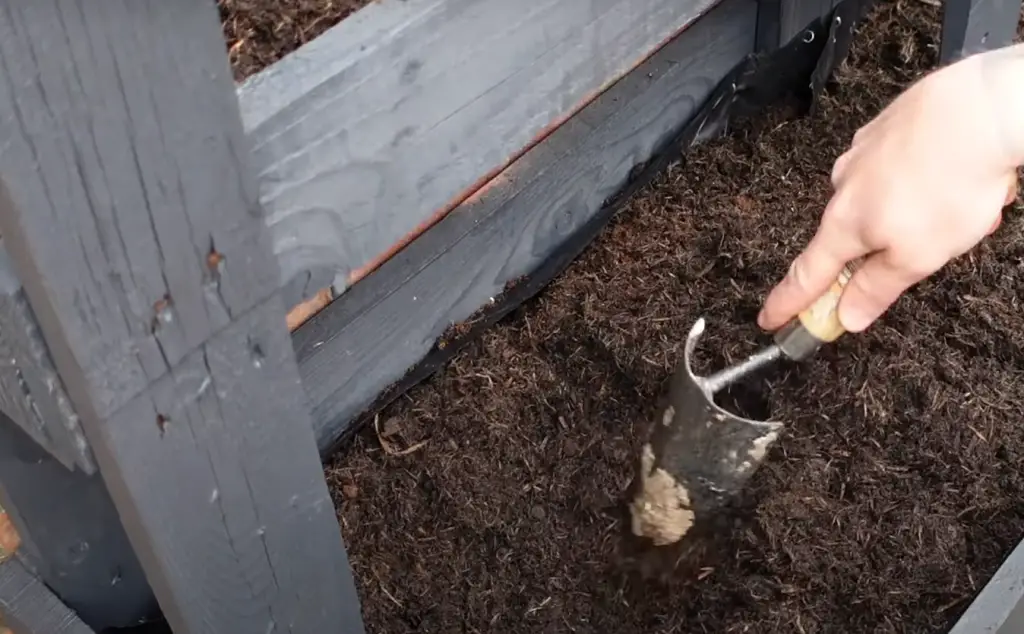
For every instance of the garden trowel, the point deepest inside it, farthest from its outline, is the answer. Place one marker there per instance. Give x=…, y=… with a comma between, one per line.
x=699, y=455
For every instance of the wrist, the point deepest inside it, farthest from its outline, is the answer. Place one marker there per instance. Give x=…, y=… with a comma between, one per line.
x=1002, y=75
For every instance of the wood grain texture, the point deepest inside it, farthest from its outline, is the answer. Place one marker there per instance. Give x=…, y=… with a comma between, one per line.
x=369, y=337
x=228, y=426
x=134, y=225
x=973, y=26
x=385, y=121
x=72, y=538
x=31, y=392
x=147, y=172
x=999, y=608
x=28, y=607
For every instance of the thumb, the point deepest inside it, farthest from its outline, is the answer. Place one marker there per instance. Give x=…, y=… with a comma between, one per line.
x=874, y=287
x=809, y=276
x=1011, y=188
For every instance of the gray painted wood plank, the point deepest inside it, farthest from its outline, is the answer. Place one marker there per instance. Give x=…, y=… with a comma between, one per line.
x=259, y=548
x=28, y=607
x=84, y=129
x=71, y=535
x=973, y=26
x=385, y=120
x=133, y=222
x=372, y=335
x=999, y=608
x=31, y=392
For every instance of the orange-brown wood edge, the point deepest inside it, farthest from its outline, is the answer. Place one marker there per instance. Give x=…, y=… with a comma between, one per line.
x=298, y=315
x=9, y=539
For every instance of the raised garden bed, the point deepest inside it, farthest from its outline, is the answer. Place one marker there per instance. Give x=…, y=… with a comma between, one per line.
x=489, y=499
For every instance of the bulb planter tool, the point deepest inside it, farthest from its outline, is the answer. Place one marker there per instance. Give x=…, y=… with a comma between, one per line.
x=698, y=455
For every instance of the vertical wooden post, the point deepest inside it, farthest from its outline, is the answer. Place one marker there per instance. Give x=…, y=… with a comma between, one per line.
x=131, y=215
x=973, y=26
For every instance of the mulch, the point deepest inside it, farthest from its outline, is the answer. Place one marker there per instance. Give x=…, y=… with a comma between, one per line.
x=490, y=498
x=260, y=32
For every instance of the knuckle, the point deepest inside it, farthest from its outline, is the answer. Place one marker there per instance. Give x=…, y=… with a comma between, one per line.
x=838, y=169
x=798, y=274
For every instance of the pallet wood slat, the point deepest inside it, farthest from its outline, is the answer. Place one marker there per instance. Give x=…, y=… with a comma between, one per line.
x=27, y=606
x=383, y=122
x=973, y=26
x=112, y=151
x=371, y=335
x=134, y=225
x=31, y=392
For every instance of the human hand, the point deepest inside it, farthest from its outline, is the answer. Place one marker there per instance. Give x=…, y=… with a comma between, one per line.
x=922, y=183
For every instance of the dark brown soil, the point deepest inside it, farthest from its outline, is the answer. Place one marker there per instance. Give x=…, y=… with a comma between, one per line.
x=489, y=499
x=260, y=32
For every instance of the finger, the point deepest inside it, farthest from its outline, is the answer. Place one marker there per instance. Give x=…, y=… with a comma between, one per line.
x=875, y=286
x=840, y=167
x=870, y=129
x=995, y=225
x=809, y=275
x=1011, y=189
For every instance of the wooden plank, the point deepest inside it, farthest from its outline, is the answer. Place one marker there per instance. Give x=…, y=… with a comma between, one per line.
x=27, y=606
x=999, y=608
x=31, y=392
x=71, y=535
x=134, y=226
x=372, y=131
x=369, y=337
x=973, y=26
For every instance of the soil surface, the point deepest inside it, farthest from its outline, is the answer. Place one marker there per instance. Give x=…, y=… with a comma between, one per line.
x=260, y=32
x=490, y=498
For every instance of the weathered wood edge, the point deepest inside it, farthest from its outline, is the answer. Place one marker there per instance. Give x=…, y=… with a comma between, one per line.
x=973, y=26
x=536, y=198
x=71, y=535
x=31, y=392
x=27, y=606
x=373, y=131
x=999, y=607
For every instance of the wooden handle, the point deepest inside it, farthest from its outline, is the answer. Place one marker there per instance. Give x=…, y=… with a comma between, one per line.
x=821, y=319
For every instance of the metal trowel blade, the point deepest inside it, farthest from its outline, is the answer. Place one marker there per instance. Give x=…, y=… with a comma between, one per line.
x=698, y=455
